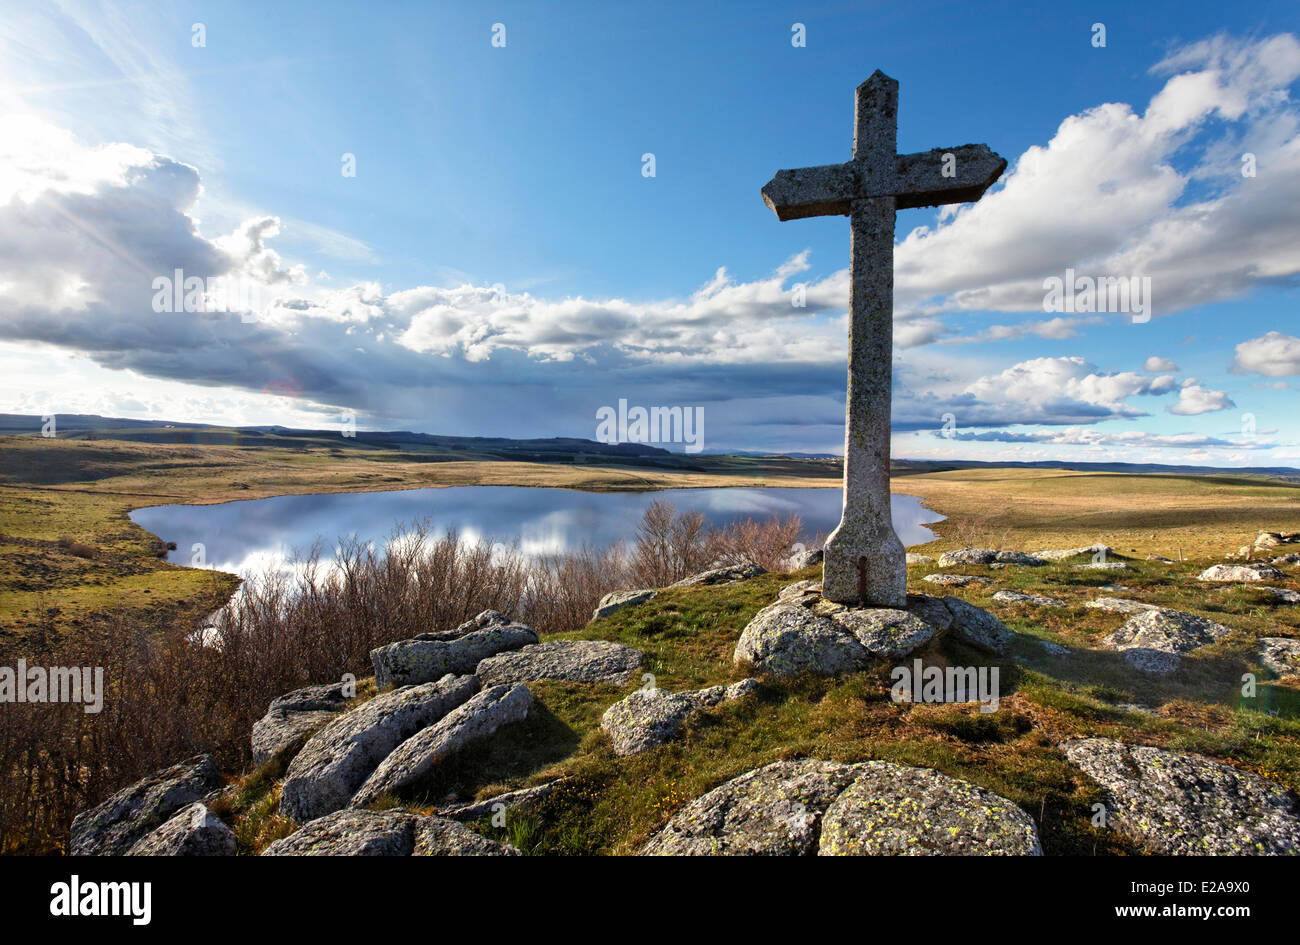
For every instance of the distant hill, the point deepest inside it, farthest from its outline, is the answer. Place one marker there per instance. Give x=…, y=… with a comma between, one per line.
x=438, y=448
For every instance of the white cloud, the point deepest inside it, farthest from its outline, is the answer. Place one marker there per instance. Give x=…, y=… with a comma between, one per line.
x=1273, y=355
x=1194, y=400
x=1159, y=365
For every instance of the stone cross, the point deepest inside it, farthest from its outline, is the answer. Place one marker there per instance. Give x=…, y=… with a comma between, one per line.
x=864, y=560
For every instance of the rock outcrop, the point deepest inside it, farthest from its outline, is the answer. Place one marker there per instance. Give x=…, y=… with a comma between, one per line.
x=615, y=601
x=1281, y=655
x=341, y=756
x=386, y=833
x=414, y=661
x=798, y=808
x=588, y=661
x=892, y=810
x=730, y=574
x=1171, y=632
x=473, y=721
x=293, y=716
x=1061, y=554
x=649, y=717
x=988, y=556
x=1033, y=600
x=955, y=580
x=1188, y=805
x=1240, y=573
x=1120, y=605
x=114, y=826
x=193, y=831
x=804, y=633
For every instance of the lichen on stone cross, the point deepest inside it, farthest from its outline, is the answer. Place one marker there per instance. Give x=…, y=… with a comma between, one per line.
x=864, y=560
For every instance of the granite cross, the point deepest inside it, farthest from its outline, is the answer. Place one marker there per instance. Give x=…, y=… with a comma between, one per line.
x=864, y=561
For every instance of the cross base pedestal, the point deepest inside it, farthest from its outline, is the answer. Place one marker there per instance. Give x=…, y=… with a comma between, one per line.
x=865, y=564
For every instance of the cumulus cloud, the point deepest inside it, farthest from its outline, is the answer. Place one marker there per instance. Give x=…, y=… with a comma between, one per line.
x=1193, y=400
x=1136, y=439
x=1273, y=355
x=1106, y=195
x=1159, y=365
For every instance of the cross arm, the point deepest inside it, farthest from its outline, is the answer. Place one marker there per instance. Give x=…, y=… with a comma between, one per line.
x=921, y=181
x=918, y=181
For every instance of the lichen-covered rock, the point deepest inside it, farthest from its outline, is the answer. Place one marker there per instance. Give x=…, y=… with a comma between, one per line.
x=886, y=633
x=727, y=575
x=1280, y=654
x=293, y=716
x=588, y=661
x=385, y=833
x=410, y=662
x=1120, y=605
x=650, y=717
x=475, y=720
x=977, y=626
x=787, y=639
x=113, y=827
x=193, y=831
x=1183, y=804
x=1281, y=594
x=1060, y=554
x=799, y=590
x=337, y=760
x=1034, y=600
x=772, y=811
x=954, y=580
x=988, y=556
x=1169, y=631
x=892, y=810
x=615, y=601
x=1241, y=573
x=522, y=799
x=807, y=558
x=1152, y=662
x=914, y=558
x=1101, y=566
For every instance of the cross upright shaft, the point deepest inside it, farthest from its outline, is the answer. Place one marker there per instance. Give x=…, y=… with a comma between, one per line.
x=864, y=559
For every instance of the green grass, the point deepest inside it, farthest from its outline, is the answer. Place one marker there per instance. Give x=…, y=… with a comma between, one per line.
x=611, y=805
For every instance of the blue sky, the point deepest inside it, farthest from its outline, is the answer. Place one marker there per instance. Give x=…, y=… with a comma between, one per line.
x=500, y=265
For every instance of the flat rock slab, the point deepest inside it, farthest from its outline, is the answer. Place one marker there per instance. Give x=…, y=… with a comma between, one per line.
x=1280, y=654
x=1034, y=600
x=1060, y=554
x=113, y=827
x=955, y=580
x=193, y=831
x=914, y=558
x=1282, y=595
x=650, y=717
x=387, y=833
x=728, y=575
x=339, y=758
x=800, y=808
x=615, y=601
x=1188, y=805
x=988, y=556
x=588, y=661
x=1120, y=605
x=415, y=758
x=1101, y=566
x=1170, y=631
x=1241, y=573
x=892, y=810
x=410, y=662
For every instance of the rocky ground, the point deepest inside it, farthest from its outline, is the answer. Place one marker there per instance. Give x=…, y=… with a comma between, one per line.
x=740, y=712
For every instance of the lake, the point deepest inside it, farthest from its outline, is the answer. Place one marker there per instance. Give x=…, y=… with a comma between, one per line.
x=249, y=536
